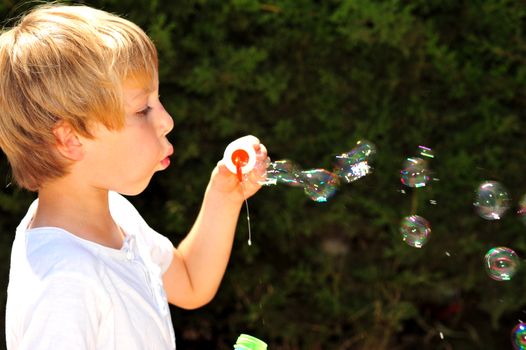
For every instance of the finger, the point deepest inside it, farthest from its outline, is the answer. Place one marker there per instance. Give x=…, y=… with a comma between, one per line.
x=222, y=169
x=261, y=152
x=256, y=143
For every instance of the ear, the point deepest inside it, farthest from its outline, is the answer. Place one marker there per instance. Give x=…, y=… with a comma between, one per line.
x=67, y=141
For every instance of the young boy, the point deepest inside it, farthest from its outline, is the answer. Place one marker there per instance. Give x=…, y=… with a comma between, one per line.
x=81, y=123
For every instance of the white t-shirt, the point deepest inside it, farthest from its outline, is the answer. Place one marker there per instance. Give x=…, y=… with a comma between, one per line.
x=68, y=293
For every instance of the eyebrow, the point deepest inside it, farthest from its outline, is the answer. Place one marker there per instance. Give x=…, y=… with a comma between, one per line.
x=132, y=101
x=141, y=93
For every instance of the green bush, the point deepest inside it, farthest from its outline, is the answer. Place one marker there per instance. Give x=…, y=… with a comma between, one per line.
x=311, y=78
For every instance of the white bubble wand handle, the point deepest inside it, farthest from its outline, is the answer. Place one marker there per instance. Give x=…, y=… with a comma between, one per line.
x=240, y=157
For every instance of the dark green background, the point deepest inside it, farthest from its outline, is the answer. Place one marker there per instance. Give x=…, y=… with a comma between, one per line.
x=310, y=79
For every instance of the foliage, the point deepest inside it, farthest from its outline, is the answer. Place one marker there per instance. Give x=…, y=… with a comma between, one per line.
x=311, y=78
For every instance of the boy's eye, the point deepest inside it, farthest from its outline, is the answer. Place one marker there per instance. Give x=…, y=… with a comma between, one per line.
x=145, y=111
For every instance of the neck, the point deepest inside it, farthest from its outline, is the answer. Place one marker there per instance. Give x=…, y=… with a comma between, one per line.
x=84, y=212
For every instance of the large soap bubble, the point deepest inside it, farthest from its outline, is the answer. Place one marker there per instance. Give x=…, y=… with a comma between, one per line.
x=491, y=200
x=320, y=184
x=415, y=172
x=518, y=336
x=415, y=230
x=501, y=263
x=356, y=163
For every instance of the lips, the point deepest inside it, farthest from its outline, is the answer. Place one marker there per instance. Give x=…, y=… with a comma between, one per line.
x=166, y=161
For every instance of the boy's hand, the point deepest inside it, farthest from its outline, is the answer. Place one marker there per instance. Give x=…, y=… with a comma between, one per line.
x=226, y=182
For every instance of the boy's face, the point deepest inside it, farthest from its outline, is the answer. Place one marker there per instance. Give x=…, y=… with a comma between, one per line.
x=125, y=160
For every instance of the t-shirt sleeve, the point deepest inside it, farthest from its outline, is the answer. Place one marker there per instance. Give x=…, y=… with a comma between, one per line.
x=159, y=247
x=65, y=315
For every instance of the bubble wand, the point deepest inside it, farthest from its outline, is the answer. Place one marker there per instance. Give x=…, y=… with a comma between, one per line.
x=240, y=159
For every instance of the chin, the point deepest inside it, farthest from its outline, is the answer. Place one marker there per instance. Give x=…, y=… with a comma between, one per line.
x=130, y=193
x=132, y=190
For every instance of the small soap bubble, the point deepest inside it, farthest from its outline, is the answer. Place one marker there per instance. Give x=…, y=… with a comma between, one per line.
x=501, y=263
x=415, y=230
x=492, y=200
x=426, y=152
x=319, y=184
x=522, y=209
x=284, y=172
x=518, y=336
x=415, y=172
x=356, y=163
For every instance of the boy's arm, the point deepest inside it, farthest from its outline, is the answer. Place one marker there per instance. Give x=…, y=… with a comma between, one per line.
x=199, y=262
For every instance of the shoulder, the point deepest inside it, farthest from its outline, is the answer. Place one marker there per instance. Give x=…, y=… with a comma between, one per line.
x=55, y=282
x=51, y=251
x=49, y=267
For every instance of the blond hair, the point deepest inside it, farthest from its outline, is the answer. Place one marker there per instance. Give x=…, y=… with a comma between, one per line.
x=64, y=64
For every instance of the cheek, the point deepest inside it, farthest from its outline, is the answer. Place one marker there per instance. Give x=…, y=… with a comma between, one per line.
x=143, y=144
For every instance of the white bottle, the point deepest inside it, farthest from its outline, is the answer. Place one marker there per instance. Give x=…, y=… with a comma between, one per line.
x=240, y=157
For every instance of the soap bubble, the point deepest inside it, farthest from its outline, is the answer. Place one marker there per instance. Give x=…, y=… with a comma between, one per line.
x=284, y=172
x=319, y=184
x=415, y=172
x=355, y=164
x=518, y=336
x=415, y=230
x=492, y=200
x=501, y=263
x=522, y=209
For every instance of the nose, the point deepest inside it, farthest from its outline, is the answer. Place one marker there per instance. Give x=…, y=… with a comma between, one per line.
x=166, y=122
